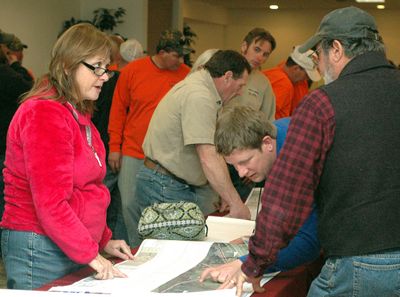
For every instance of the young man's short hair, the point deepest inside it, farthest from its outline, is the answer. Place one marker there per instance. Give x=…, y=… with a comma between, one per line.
x=241, y=127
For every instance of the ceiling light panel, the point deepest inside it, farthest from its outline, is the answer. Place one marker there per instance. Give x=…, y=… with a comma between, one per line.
x=370, y=1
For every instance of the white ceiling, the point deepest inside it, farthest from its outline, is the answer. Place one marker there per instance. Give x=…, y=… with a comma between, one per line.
x=298, y=4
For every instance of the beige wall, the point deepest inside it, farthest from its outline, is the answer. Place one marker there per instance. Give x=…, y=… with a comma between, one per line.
x=389, y=24
x=38, y=22
x=135, y=20
x=161, y=12
x=208, y=22
x=215, y=36
x=288, y=27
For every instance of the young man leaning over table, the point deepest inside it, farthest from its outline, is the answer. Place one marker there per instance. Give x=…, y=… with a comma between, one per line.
x=249, y=142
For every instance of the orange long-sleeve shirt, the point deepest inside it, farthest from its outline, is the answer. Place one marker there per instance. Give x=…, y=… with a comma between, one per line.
x=283, y=89
x=139, y=89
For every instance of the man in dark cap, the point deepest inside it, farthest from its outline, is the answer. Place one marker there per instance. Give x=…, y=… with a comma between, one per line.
x=5, y=38
x=139, y=89
x=342, y=151
x=13, y=48
x=16, y=47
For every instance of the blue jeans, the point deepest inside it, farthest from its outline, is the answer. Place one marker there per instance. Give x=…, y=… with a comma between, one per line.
x=154, y=187
x=127, y=188
x=373, y=275
x=115, y=220
x=32, y=260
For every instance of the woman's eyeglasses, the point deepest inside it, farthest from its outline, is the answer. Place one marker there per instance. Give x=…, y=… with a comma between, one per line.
x=99, y=71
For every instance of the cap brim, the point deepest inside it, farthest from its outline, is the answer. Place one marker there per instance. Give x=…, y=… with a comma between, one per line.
x=313, y=74
x=310, y=43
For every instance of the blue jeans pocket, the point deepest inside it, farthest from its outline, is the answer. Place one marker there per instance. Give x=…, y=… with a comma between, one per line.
x=377, y=275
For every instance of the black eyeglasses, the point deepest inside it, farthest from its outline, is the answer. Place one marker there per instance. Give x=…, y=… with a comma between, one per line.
x=99, y=71
x=314, y=56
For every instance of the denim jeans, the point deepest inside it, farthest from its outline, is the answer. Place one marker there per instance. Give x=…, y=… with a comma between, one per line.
x=127, y=188
x=154, y=187
x=115, y=220
x=373, y=275
x=32, y=260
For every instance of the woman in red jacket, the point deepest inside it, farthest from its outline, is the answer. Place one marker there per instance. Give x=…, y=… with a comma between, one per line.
x=55, y=212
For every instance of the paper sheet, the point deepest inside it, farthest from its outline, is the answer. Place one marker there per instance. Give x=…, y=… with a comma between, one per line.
x=165, y=267
x=224, y=229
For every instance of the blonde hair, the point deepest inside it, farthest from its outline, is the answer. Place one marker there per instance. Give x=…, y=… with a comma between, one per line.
x=241, y=127
x=79, y=42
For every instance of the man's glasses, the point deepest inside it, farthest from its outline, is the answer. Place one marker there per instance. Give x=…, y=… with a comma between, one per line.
x=314, y=56
x=99, y=71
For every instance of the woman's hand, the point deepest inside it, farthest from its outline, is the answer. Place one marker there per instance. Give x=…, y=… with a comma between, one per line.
x=104, y=268
x=118, y=248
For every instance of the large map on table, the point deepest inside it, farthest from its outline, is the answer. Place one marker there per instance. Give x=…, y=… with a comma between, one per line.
x=165, y=266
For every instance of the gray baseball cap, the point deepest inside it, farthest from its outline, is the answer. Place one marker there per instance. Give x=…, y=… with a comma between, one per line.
x=348, y=22
x=15, y=44
x=6, y=38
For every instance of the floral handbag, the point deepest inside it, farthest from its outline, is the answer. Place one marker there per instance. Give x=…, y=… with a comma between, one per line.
x=177, y=221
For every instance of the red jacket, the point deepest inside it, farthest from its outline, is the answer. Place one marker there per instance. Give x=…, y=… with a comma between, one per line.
x=53, y=181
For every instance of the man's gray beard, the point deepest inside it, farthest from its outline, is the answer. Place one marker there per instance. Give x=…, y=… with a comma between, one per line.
x=327, y=78
x=328, y=75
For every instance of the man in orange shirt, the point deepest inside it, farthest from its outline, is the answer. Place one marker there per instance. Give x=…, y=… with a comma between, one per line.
x=141, y=86
x=298, y=67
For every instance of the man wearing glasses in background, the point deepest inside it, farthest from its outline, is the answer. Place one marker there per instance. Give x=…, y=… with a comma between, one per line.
x=342, y=151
